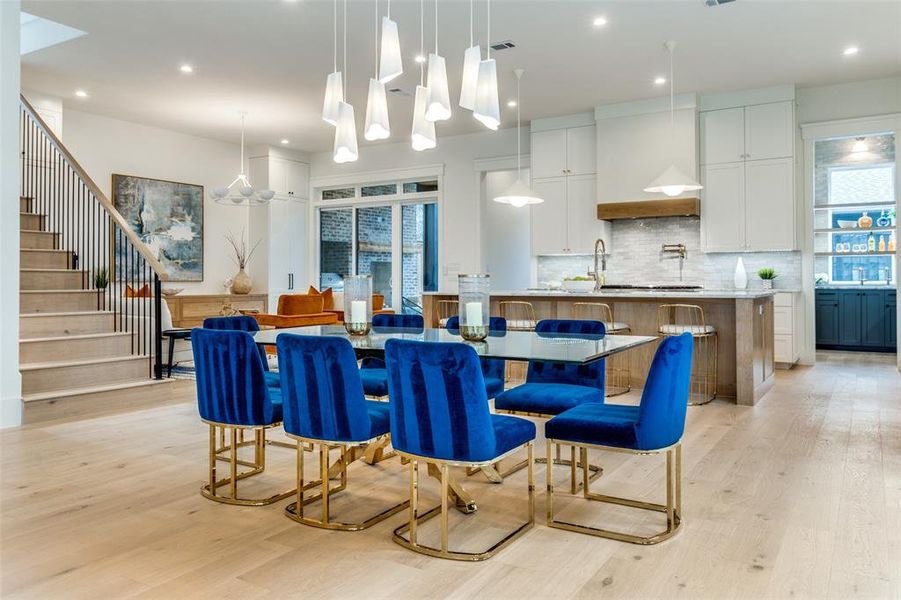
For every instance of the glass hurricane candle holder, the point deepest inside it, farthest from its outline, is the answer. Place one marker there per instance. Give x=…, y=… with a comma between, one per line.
x=475, y=304
x=358, y=304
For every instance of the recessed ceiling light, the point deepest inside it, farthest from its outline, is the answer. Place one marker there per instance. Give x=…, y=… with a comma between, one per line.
x=186, y=68
x=81, y=93
x=419, y=58
x=851, y=51
x=512, y=103
x=599, y=21
x=285, y=141
x=659, y=80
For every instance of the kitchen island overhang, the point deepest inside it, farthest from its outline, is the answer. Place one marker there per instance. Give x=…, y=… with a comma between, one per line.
x=743, y=320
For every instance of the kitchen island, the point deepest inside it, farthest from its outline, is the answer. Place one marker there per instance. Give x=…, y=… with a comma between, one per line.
x=743, y=320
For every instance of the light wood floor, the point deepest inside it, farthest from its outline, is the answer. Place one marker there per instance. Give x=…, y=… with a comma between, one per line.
x=796, y=497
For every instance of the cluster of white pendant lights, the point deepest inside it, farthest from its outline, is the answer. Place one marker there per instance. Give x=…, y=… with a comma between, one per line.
x=335, y=108
x=423, y=135
x=673, y=181
x=240, y=192
x=519, y=194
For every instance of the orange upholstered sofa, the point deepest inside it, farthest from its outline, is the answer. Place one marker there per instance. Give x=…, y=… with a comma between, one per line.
x=336, y=305
x=298, y=310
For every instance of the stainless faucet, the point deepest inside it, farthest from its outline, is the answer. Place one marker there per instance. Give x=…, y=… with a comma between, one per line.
x=859, y=271
x=600, y=277
x=679, y=251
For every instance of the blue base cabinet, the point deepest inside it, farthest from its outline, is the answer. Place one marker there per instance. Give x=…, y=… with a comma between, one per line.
x=856, y=319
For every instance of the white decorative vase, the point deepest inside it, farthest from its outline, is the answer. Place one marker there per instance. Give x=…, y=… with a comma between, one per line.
x=741, y=276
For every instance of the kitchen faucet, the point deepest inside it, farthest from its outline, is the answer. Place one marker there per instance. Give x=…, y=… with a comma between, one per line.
x=600, y=277
x=679, y=251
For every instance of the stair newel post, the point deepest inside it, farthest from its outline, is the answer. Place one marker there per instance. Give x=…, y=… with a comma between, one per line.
x=157, y=328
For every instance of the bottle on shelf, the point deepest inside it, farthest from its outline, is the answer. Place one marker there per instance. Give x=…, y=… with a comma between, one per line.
x=871, y=242
x=883, y=220
x=892, y=244
x=865, y=221
x=882, y=243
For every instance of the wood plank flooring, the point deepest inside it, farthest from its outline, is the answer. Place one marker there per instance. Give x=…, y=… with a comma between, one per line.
x=796, y=497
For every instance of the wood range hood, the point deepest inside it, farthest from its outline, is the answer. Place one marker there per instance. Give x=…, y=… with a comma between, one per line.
x=646, y=209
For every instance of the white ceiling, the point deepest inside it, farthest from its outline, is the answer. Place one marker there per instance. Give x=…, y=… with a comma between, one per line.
x=271, y=57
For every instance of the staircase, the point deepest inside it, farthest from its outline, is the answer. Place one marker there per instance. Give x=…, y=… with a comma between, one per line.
x=83, y=351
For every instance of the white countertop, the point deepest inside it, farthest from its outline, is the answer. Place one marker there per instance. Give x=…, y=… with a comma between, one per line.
x=704, y=293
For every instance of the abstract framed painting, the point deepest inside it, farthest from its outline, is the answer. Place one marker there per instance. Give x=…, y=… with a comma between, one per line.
x=168, y=217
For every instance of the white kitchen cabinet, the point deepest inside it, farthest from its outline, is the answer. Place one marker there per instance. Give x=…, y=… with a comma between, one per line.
x=566, y=222
x=722, y=136
x=563, y=152
x=769, y=205
x=723, y=207
x=787, y=328
x=287, y=178
x=287, y=248
x=580, y=150
x=582, y=224
x=756, y=132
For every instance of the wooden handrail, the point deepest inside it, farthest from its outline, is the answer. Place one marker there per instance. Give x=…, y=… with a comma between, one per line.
x=114, y=214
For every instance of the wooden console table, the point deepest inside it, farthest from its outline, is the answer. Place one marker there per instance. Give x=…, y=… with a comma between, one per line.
x=190, y=310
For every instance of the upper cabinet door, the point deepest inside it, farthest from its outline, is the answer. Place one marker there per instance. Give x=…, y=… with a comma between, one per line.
x=583, y=225
x=580, y=150
x=722, y=136
x=722, y=207
x=278, y=176
x=549, y=218
x=768, y=131
x=548, y=154
x=297, y=175
x=769, y=204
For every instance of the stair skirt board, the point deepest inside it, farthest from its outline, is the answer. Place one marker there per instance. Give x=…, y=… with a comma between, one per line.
x=51, y=279
x=65, y=375
x=39, y=240
x=93, y=345
x=38, y=325
x=32, y=221
x=97, y=401
x=44, y=259
x=54, y=301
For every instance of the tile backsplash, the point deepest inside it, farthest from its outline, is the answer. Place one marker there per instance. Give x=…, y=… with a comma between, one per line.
x=635, y=258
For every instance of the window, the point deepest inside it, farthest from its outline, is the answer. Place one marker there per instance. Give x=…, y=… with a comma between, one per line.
x=338, y=194
x=378, y=190
x=335, y=247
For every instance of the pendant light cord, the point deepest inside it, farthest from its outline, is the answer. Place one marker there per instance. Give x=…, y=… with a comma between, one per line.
x=376, y=76
x=672, y=85
x=436, y=27
x=470, y=24
x=518, y=130
x=488, y=42
x=421, y=40
x=335, y=22
x=343, y=87
x=241, y=170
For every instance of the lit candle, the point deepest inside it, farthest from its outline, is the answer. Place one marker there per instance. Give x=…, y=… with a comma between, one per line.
x=474, y=314
x=358, y=311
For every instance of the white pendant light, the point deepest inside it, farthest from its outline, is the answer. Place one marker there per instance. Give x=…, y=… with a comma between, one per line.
x=423, y=134
x=471, y=59
x=345, y=149
x=334, y=87
x=519, y=194
x=244, y=194
x=438, y=107
x=672, y=182
x=376, y=126
x=391, y=64
x=487, y=109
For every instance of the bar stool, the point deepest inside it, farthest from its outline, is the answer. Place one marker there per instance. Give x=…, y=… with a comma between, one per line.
x=520, y=316
x=676, y=319
x=619, y=371
x=654, y=427
x=440, y=416
x=446, y=310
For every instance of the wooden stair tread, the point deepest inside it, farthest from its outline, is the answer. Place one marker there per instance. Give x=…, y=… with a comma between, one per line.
x=43, y=250
x=73, y=313
x=32, y=214
x=45, y=270
x=126, y=385
x=78, y=336
x=80, y=363
x=39, y=231
x=59, y=291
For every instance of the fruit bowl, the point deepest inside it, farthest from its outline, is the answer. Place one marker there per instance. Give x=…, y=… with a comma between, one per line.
x=847, y=224
x=578, y=285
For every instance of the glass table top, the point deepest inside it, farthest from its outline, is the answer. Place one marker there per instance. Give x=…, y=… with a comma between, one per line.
x=512, y=345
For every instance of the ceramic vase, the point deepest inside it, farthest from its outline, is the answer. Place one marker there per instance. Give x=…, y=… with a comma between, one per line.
x=741, y=276
x=241, y=283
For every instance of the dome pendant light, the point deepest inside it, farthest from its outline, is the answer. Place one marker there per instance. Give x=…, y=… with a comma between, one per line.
x=672, y=182
x=519, y=194
x=246, y=195
x=438, y=107
x=346, y=129
x=471, y=59
x=334, y=88
x=391, y=64
x=376, y=126
x=487, y=108
x=423, y=137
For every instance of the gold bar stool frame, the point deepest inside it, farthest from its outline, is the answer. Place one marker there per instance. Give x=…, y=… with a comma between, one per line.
x=446, y=310
x=675, y=319
x=619, y=371
x=520, y=316
x=672, y=508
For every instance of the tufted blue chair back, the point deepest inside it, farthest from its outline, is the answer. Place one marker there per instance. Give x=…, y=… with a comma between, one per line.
x=398, y=321
x=439, y=408
x=322, y=394
x=661, y=416
x=491, y=367
x=237, y=323
x=590, y=375
x=231, y=385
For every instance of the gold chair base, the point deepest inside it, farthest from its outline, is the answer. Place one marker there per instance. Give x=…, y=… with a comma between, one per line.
x=416, y=519
x=672, y=508
x=329, y=471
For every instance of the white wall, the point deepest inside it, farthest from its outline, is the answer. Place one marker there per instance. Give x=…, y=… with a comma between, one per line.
x=459, y=238
x=10, y=380
x=506, y=235
x=849, y=100
x=104, y=146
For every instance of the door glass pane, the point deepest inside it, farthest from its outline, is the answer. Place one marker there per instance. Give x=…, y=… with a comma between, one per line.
x=335, y=247
x=420, y=254
x=374, y=248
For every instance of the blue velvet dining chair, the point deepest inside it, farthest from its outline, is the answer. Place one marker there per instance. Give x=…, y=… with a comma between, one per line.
x=232, y=396
x=493, y=369
x=324, y=405
x=440, y=416
x=653, y=427
x=372, y=369
x=250, y=325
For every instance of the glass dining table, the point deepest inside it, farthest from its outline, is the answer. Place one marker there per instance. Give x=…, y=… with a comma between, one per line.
x=510, y=345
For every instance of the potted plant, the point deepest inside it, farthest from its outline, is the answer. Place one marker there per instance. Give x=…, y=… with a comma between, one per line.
x=101, y=279
x=767, y=275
